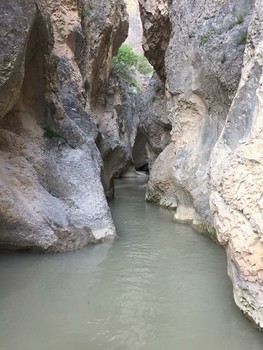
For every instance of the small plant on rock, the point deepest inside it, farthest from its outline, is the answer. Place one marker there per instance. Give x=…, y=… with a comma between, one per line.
x=240, y=19
x=50, y=133
x=86, y=12
x=205, y=37
x=243, y=39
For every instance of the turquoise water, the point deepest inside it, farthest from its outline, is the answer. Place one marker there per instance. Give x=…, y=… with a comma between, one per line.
x=159, y=286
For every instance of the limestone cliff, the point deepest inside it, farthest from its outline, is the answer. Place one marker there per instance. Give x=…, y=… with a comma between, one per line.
x=236, y=171
x=211, y=170
x=55, y=58
x=203, y=62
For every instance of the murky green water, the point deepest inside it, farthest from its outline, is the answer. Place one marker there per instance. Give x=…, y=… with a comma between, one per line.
x=160, y=286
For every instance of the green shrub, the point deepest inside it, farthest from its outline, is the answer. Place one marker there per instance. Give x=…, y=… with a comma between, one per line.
x=127, y=63
x=125, y=55
x=143, y=65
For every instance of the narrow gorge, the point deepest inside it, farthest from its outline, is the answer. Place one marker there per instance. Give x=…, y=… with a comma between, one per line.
x=73, y=119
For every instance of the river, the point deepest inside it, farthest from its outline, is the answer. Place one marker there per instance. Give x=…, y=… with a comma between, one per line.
x=159, y=286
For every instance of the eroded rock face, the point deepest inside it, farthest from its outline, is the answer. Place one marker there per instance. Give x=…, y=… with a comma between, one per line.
x=236, y=171
x=214, y=181
x=14, y=34
x=203, y=63
x=105, y=24
x=116, y=117
x=50, y=187
x=154, y=124
x=108, y=99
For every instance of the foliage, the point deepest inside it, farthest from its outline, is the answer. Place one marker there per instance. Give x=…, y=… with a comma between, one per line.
x=143, y=65
x=86, y=12
x=243, y=38
x=125, y=55
x=127, y=63
x=125, y=73
x=191, y=35
x=240, y=19
x=205, y=37
x=50, y=133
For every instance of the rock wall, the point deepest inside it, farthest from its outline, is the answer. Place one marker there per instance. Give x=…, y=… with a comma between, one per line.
x=236, y=171
x=55, y=61
x=203, y=62
x=210, y=172
x=109, y=101
x=115, y=114
x=68, y=125
x=135, y=26
x=154, y=124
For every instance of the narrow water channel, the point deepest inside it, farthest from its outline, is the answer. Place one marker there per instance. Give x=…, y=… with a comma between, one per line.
x=160, y=286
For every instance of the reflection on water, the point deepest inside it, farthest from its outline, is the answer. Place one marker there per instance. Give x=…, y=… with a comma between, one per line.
x=160, y=286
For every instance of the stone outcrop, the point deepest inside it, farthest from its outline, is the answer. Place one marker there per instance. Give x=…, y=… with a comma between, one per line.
x=55, y=58
x=210, y=172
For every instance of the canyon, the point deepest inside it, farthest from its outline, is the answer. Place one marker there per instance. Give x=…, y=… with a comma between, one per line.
x=69, y=125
